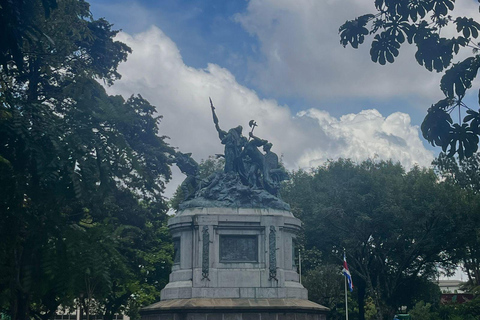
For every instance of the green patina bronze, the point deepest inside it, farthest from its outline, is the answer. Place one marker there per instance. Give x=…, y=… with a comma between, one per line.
x=250, y=179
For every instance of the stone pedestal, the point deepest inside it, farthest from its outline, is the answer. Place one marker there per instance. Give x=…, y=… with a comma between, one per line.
x=234, y=264
x=234, y=309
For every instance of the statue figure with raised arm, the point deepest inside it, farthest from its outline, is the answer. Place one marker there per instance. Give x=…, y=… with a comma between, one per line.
x=234, y=143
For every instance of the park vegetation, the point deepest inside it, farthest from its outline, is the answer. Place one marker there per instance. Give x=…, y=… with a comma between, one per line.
x=400, y=230
x=82, y=218
x=447, y=44
x=82, y=174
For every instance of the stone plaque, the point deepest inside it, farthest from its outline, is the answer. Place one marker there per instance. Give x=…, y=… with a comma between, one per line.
x=176, y=250
x=238, y=248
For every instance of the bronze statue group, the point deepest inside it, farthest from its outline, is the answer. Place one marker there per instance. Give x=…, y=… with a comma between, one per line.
x=243, y=160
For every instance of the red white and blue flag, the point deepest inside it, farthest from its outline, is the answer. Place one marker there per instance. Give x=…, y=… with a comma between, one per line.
x=347, y=274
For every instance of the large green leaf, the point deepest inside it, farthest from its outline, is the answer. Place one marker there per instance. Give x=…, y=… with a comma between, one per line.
x=459, y=77
x=384, y=48
x=434, y=53
x=473, y=118
x=418, y=9
x=437, y=124
x=353, y=32
x=468, y=26
x=393, y=8
x=463, y=141
x=441, y=7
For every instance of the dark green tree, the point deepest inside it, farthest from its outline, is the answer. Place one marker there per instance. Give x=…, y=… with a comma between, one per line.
x=420, y=22
x=81, y=173
x=396, y=227
x=17, y=27
x=325, y=285
x=466, y=174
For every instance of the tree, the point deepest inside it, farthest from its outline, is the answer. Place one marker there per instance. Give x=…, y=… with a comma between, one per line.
x=396, y=227
x=17, y=27
x=420, y=23
x=466, y=174
x=422, y=310
x=81, y=173
x=325, y=286
x=465, y=311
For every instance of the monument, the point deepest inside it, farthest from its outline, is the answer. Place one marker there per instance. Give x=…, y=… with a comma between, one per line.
x=234, y=241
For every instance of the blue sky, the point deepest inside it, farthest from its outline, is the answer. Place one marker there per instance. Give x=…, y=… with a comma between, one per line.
x=278, y=62
x=204, y=31
x=208, y=32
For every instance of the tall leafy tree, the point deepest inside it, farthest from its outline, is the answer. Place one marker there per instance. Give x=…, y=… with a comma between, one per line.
x=81, y=173
x=466, y=174
x=325, y=286
x=420, y=23
x=396, y=227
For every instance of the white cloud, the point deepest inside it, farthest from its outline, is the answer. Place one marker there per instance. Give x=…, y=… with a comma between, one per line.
x=366, y=134
x=303, y=56
x=155, y=69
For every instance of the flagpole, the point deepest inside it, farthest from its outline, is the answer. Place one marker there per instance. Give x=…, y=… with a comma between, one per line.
x=346, y=273
x=346, y=299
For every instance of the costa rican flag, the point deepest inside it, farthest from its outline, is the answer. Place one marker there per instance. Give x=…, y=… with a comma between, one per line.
x=347, y=274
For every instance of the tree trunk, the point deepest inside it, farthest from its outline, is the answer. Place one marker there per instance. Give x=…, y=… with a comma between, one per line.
x=378, y=301
x=80, y=310
x=87, y=310
x=361, y=299
x=20, y=306
x=19, y=302
x=108, y=314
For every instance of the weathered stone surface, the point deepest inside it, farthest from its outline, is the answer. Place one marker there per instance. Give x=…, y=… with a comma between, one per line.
x=214, y=316
x=232, y=316
x=286, y=316
x=208, y=283
x=207, y=269
x=268, y=316
x=235, y=309
x=251, y=316
x=233, y=304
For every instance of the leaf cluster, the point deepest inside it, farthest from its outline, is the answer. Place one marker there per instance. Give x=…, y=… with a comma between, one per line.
x=419, y=22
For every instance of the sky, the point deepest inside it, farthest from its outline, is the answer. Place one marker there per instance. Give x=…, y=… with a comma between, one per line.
x=280, y=63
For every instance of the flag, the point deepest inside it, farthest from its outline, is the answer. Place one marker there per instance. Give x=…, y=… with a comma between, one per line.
x=347, y=274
